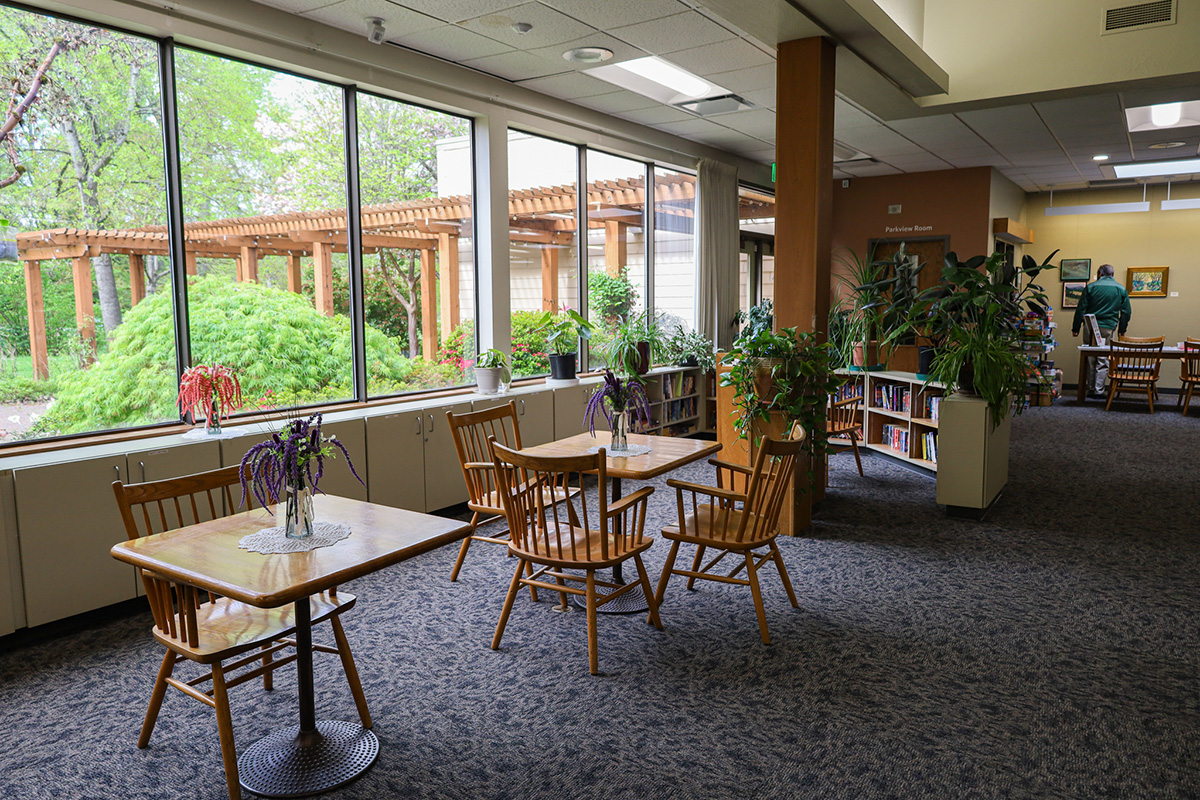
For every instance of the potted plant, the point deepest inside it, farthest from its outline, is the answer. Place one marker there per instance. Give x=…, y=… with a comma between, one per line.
x=635, y=345
x=898, y=282
x=492, y=374
x=209, y=391
x=618, y=400
x=759, y=318
x=564, y=330
x=863, y=296
x=975, y=318
x=691, y=349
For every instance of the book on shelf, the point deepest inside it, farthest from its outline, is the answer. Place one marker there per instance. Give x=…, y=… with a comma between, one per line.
x=896, y=437
x=928, y=447
x=678, y=385
x=851, y=389
x=891, y=397
x=933, y=407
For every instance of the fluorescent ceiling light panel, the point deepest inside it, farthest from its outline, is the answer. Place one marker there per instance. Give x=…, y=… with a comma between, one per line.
x=1099, y=208
x=1163, y=116
x=1180, y=205
x=657, y=79
x=1151, y=169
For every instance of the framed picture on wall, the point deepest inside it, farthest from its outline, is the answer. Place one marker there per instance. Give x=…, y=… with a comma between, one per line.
x=1072, y=291
x=1146, y=281
x=1075, y=269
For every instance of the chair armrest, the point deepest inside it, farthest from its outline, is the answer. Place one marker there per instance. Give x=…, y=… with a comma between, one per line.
x=479, y=465
x=711, y=491
x=624, y=503
x=742, y=468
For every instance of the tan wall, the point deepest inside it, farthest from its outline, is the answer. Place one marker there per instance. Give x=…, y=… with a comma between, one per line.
x=1007, y=201
x=1153, y=238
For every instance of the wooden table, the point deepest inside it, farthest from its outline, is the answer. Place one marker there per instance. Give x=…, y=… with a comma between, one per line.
x=315, y=756
x=1087, y=351
x=667, y=453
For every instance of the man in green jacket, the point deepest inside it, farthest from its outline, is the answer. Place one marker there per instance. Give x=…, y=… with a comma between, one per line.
x=1109, y=301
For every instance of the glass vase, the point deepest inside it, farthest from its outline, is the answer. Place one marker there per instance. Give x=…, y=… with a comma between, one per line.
x=295, y=512
x=212, y=425
x=620, y=432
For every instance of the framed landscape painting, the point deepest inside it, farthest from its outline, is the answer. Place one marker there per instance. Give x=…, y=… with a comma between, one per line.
x=1075, y=269
x=1072, y=291
x=1146, y=281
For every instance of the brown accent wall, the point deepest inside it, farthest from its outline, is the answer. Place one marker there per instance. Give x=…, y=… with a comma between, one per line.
x=954, y=203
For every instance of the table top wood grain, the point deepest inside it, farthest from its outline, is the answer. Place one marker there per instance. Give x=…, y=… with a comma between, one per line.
x=666, y=453
x=207, y=555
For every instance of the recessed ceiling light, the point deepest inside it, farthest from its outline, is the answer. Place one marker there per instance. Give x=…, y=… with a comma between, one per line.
x=1166, y=145
x=1164, y=115
x=1100, y=158
x=1150, y=169
x=664, y=73
x=588, y=55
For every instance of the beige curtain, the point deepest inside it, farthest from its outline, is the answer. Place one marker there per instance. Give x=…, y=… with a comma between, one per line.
x=716, y=250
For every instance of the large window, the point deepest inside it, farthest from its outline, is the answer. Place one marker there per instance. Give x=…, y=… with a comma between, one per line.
x=86, y=338
x=675, y=248
x=756, y=210
x=418, y=260
x=616, y=259
x=543, y=176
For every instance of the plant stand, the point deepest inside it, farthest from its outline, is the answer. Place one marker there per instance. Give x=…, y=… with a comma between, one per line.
x=973, y=458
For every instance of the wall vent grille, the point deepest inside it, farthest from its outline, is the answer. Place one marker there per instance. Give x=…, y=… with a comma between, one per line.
x=1139, y=15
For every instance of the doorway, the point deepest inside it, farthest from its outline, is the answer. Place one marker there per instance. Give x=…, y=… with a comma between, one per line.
x=929, y=250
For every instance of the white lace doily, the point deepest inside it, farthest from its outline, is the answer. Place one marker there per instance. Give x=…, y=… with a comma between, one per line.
x=631, y=450
x=272, y=540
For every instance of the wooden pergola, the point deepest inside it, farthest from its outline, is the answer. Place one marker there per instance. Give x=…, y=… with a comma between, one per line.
x=544, y=216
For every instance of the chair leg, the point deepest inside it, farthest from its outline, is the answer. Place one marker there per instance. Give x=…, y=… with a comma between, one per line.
x=508, y=604
x=348, y=666
x=562, y=596
x=696, y=562
x=225, y=730
x=666, y=573
x=593, y=656
x=532, y=589
x=269, y=675
x=156, y=698
x=857, y=457
x=462, y=556
x=1112, y=392
x=650, y=599
x=783, y=573
x=758, y=601
x=1187, y=403
x=1150, y=396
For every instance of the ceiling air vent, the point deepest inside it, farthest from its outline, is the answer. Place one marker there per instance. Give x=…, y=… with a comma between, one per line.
x=711, y=106
x=1118, y=19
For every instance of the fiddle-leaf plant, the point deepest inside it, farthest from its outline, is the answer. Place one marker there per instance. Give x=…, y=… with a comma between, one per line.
x=564, y=330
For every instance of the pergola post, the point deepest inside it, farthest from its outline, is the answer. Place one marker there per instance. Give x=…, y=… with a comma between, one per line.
x=36, y=307
x=323, y=277
x=249, y=265
x=448, y=267
x=616, y=249
x=137, y=278
x=293, y=272
x=429, y=337
x=550, y=277
x=85, y=309
x=189, y=262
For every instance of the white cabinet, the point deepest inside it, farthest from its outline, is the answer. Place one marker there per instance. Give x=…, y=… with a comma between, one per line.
x=412, y=462
x=535, y=414
x=12, y=601
x=973, y=456
x=569, y=404
x=444, y=484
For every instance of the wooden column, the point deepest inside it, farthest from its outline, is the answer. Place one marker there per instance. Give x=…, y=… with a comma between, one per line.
x=550, y=277
x=429, y=337
x=616, y=249
x=249, y=265
x=804, y=211
x=189, y=262
x=85, y=309
x=293, y=272
x=36, y=308
x=448, y=272
x=323, y=277
x=137, y=278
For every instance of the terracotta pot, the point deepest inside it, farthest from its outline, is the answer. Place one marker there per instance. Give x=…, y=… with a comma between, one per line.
x=870, y=363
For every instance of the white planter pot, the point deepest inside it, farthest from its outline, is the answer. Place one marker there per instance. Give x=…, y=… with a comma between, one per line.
x=488, y=379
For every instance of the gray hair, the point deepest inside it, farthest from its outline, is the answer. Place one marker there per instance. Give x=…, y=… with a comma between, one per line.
x=1104, y=271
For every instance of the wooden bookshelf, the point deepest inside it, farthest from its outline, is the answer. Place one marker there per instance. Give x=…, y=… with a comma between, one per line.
x=896, y=411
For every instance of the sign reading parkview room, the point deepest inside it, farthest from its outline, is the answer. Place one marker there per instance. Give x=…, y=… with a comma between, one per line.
x=907, y=228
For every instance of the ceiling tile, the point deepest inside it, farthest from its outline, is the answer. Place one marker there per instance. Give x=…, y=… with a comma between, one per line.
x=866, y=169
x=658, y=113
x=746, y=80
x=761, y=97
x=550, y=27
x=622, y=51
x=568, y=85
x=846, y=116
x=677, y=32
x=453, y=43
x=758, y=122
x=351, y=15
x=1014, y=125
x=619, y=102
x=690, y=127
x=728, y=140
x=297, y=6
x=721, y=57
x=934, y=132
x=878, y=141
x=917, y=163
x=964, y=161
x=457, y=10
x=515, y=65
x=612, y=13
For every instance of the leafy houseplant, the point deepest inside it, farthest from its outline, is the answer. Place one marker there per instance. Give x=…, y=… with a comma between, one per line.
x=789, y=373
x=213, y=391
x=635, y=345
x=618, y=400
x=492, y=374
x=867, y=304
x=759, y=318
x=691, y=349
x=289, y=466
x=975, y=319
x=564, y=330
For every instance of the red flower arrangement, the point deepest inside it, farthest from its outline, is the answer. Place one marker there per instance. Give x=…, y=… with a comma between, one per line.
x=211, y=391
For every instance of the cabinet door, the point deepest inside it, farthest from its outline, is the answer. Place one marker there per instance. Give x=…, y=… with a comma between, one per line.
x=12, y=604
x=395, y=460
x=67, y=520
x=444, y=485
x=569, y=404
x=338, y=479
x=535, y=412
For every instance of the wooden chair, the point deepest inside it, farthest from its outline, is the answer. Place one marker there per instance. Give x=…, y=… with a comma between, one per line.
x=1133, y=365
x=540, y=535
x=736, y=522
x=841, y=420
x=471, y=433
x=1189, y=373
x=197, y=626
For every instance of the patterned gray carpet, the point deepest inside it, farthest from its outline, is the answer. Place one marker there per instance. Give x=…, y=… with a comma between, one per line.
x=1048, y=652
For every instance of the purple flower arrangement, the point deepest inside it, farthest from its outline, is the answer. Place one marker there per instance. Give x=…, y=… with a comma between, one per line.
x=618, y=396
x=288, y=458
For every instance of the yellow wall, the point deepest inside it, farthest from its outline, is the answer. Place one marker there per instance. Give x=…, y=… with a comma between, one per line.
x=1153, y=238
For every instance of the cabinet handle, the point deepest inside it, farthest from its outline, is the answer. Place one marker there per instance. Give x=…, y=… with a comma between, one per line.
x=431, y=423
x=142, y=464
x=420, y=424
x=118, y=469
x=522, y=408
